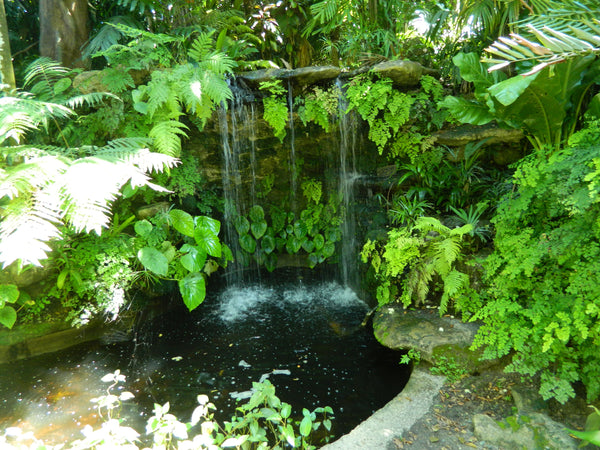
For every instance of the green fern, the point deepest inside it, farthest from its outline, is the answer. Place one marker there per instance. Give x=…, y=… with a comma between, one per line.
x=413, y=259
x=167, y=136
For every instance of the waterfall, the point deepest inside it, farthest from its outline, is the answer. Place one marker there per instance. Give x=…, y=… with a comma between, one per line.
x=292, y=161
x=347, y=178
x=237, y=127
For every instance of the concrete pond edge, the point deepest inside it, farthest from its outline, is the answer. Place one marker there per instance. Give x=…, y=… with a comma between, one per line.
x=396, y=417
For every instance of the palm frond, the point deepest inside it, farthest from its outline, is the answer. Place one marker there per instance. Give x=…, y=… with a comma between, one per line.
x=547, y=45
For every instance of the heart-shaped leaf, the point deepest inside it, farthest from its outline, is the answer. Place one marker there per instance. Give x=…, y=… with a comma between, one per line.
x=248, y=243
x=153, y=260
x=193, y=290
x=258, y=229
x=241, y=224
x=182, y=222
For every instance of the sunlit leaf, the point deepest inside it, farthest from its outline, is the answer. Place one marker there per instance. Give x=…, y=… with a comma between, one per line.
x=193, y=290
x=182, y=222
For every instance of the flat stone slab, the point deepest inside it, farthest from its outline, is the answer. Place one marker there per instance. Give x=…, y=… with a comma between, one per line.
x=303, y=75
x=389, y=423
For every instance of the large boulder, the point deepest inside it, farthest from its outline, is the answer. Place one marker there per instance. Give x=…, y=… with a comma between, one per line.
x=402, y=73
x=435, y=338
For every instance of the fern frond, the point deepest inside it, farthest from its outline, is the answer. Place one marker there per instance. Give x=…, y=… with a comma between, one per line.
x=20, y=114
x=216, y=88
x=201, y=46
x=107, y=36
x=445, y=253
x=90, y=99
x=117, y=80
x=218, y=63
x=158, y=91
x=30, y=176
x=425, y=224
x=26, y=227
x=166, y=136
x=41, y=75
x=142, y=158
x=454, y=283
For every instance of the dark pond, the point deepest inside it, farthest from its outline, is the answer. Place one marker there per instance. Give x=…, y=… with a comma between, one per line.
x=304, y=334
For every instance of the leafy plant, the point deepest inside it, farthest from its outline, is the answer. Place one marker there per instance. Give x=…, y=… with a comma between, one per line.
x=189, y=264
x=547, y=104
x=315, y=232
x=406, y=264
x=320, y=106
x=542, y=305
x=9, y=294
x=276, y=112
x=397, y=119
x=449, y=367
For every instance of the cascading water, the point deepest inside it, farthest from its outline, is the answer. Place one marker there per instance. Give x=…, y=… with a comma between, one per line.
x=347, y=177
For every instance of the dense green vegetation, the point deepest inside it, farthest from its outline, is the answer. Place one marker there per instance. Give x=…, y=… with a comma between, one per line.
x=514, y=248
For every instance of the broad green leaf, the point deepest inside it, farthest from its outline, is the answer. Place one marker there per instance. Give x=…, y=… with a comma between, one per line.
x=592, y=436
x=507, y=91
x=305, y=426
x=8, y=316
x=141, y=107
x=9, y=293
x=319, y=241
x=313, y=260
x=288, y=433
x=257, y=214
x=194, y=258
x=286, y=410
x=467, y=111
x=471, y=69
x=248, y=243
x=267, y=244
x=293, y=245
x=207, y=241
x=308, y=245
x=193, y=290
x=153, y=260
x=328, y=249
x=226, y=253
x=241, y=224
x=258, y=229
x=143, y=227
x=182, y=222
x=300, y=229
x=333, y=234
x=208, y=223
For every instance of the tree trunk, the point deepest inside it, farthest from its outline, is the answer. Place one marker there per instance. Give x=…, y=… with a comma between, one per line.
x=64, y=30
x=7, y=74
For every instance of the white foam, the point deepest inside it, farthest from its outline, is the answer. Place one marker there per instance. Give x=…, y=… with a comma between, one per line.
x=239, y=303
